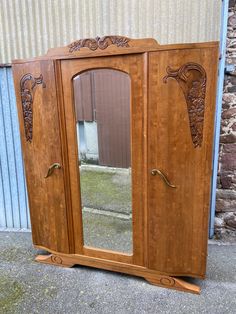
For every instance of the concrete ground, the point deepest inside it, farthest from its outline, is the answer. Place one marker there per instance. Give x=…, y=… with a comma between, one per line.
x=29, y=287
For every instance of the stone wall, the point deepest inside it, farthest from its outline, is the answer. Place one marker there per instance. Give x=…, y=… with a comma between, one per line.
x=225, y=220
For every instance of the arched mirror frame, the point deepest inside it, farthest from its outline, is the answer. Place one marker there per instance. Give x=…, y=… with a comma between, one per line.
x=121, y=238
x=133, y=65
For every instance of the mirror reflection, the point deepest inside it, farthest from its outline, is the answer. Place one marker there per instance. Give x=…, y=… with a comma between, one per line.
x=102, y=106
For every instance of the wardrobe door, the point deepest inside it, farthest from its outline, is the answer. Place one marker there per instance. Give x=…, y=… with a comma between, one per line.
x=40, y=138
x=182, y=87
x=112, y=90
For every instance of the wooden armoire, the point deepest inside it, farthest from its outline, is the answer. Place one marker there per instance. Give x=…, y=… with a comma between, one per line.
x=171, y=115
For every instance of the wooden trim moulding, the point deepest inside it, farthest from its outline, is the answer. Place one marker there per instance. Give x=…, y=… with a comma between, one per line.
x=154, y=277
x=135, y=46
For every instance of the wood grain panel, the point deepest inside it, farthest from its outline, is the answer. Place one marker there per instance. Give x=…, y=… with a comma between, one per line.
x=46, y=196
x=178, y=218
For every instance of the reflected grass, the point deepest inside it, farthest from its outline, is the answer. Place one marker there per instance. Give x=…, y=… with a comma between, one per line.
x=106, y=190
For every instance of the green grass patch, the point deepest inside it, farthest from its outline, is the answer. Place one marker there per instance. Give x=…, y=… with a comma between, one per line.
x=11, y=293
x=106, y=190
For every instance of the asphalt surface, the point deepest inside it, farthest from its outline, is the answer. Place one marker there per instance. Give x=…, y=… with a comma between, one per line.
x=29, y=287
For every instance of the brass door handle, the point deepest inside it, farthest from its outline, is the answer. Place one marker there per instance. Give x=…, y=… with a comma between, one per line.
x=56, y=165
x=167, y=182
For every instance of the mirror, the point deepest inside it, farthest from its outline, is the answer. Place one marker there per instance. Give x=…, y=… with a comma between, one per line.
x=102, y=106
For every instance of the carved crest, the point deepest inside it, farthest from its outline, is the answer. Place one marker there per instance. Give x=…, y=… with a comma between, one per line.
x=99, y=42
x=27, y=86
x=192, y=80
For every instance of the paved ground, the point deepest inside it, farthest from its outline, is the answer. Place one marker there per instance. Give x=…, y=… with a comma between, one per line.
x=28, y=287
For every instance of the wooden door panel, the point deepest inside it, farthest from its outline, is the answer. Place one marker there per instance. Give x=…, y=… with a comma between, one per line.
x=40, y=138
x=178, y=217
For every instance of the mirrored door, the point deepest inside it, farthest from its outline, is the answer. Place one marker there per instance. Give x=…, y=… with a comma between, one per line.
x=104, y=121
x=102, y=107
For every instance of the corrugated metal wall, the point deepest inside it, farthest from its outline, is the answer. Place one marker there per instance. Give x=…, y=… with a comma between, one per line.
x=14, y=211
x=29, y=27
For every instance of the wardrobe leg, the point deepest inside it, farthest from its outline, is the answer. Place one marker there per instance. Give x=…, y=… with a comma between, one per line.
x=54, y=259
x=173, y=283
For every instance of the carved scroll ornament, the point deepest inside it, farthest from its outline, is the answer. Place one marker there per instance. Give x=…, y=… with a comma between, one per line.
x=99, y=42
x=27, y=87
x=192, y=80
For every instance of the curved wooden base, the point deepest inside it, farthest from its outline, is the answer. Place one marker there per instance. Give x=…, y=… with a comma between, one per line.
x=174, y=283
x=53, y=260
x=153, y=277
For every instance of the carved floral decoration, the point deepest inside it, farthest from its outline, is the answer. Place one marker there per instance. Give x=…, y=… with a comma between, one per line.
x=99, y=42
x=192, y=80
x=27, y=87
